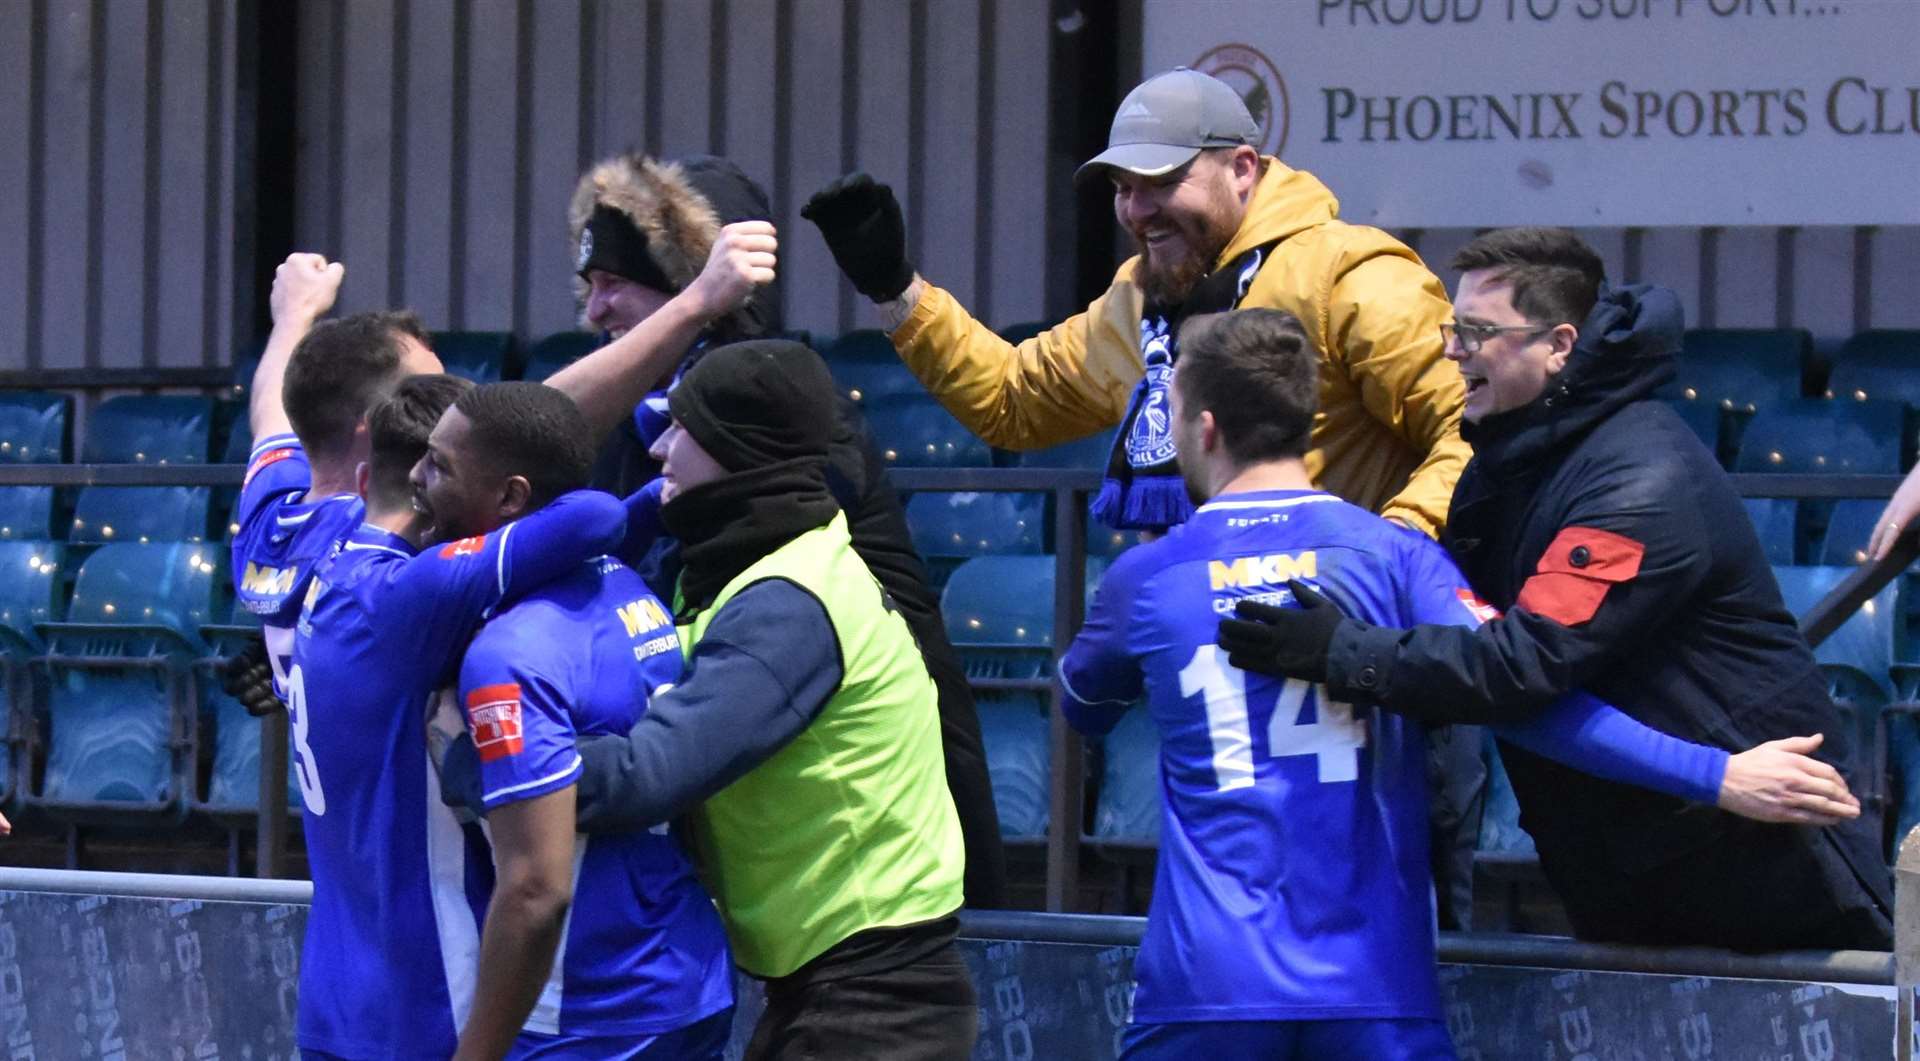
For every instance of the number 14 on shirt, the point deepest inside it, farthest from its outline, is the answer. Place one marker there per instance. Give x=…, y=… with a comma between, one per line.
x=1334, y=738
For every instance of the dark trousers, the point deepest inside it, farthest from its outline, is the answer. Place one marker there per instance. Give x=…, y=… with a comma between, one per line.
x=1457, y=783
x=925, y=1010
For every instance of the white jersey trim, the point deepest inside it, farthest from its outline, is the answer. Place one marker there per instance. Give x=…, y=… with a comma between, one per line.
x=453, y=918
x=1283, y=502
x=536, y=782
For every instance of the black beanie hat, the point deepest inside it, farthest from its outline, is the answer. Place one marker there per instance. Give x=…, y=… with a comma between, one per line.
x=757, y=403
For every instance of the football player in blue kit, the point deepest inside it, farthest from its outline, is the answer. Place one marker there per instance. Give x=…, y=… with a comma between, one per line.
x=387, y=968
x=1292, y=915
x=308, y=418
x=642, y=968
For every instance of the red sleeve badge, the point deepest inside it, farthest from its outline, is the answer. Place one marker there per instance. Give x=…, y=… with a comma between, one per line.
x=463, y=547
x=1575, y=572
x=493, y=713
x=272, y=456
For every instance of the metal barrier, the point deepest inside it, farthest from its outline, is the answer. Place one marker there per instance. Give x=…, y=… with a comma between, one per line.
x=120, y=964
x=1069, y=489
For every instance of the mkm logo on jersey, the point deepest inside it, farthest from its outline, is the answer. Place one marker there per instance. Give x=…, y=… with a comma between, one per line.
x=1249, y=72
x=267, y=581
x=1270, y=570
x=643, y=614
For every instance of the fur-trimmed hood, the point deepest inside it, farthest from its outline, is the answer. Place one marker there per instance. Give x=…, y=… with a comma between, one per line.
x=679, y=206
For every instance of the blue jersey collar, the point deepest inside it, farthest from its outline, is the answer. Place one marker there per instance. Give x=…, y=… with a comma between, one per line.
x=368, y=536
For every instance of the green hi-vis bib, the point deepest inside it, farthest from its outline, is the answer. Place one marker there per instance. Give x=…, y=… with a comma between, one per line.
x=850, y=826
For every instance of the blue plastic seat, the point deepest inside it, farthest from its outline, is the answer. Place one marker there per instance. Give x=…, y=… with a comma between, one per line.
x=1001, y=601
x=1128, y=807
x=1849, y=529
x=30, y=591
x=33, y=427
x=913, y=431
x=1014, y=732
x=1817, y=436
x=976, y=524
x=1090, y=453
x=1857, y=658
x=1878, y=364
x=862, y=344
x=120, y=726
x=26, y=513
x=556, y=352
x=1703, y=419
x=1740, y=369
x=479, y=356
x=866, y=369
x=1775, y=520
x=108, y=514
x=150, y=429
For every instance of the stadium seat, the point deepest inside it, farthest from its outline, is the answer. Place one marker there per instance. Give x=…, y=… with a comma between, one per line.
x=1879, y=364
x=150, y=429
x=26, y=512
x=479, y=356
x=867, y=369
x=1740, y=369
x=556, y=352
x=30, y=590
x=1857, y=658
x=1013, y=729
x=1128, y=806
x=1001, y=602
x=33, y=427
x=239, y=447
x=1775, y=521
x=233, y=784
x=1703, y=419
x=108, y=514
x=1088, y=453
x=864, y=344
x=120, y=722
x=913, y=431
x=1817, y=436
x=1849, y=527
x=957, y=525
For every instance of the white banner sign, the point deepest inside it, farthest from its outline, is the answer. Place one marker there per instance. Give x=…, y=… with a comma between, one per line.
x=1464, y=113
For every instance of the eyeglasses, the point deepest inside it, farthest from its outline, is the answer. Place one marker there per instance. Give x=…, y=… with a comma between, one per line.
x=1471, y=336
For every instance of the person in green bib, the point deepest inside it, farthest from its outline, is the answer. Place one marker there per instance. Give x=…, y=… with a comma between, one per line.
x=803, y=742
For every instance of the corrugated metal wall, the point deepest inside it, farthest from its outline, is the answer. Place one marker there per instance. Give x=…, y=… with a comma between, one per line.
x=117, y=233
x=439, y=141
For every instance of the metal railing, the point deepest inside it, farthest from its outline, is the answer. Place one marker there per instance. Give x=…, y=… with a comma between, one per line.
x=1069, y=490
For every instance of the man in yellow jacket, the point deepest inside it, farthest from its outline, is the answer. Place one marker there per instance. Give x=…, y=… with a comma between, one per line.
x=1219, y=226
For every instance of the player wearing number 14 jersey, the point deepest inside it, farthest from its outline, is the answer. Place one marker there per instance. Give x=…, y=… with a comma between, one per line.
x=1292, y=913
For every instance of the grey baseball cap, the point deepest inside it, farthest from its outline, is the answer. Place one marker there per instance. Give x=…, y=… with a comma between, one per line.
x=1168, y=119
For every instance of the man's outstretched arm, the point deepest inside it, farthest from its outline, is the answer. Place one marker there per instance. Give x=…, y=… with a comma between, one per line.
x=609, y=382
x=304, y=287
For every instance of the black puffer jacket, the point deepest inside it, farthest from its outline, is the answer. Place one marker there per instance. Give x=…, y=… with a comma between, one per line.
x=1628, y=567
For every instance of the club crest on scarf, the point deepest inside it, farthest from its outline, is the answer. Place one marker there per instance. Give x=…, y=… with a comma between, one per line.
x=1150, y=438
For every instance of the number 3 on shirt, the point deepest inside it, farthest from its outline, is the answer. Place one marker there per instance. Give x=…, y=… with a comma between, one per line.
x=1334, y=738
x=304, y=767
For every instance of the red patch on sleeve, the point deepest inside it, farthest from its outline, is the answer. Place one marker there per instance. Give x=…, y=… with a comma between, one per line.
x=493, y=713
x=1575, y=572
x=272, y=456
x=463, y=547
x=1480, y=609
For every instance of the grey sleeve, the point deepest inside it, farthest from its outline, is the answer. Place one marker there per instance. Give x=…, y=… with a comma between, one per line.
x=765, y=667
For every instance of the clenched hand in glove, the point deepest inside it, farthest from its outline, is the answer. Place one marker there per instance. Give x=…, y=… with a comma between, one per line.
x=248, y=678
x=861, y=221
x=1284, y=642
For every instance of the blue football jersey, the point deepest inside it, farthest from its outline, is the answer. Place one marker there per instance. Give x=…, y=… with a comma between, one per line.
x=644, y=951
x=279, y=537
x=398, y=886
x=1293, y=879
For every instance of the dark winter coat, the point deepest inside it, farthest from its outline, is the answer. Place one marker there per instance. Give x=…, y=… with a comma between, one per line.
x=1627, y=566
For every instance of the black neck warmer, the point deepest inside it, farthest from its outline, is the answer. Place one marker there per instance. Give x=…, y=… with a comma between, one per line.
x=725, y=526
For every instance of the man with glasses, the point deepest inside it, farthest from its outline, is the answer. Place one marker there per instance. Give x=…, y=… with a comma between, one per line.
x=1627, y=567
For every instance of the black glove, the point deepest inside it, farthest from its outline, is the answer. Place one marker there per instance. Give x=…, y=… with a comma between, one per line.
x=861, y=221
x=460, y=775
x=248, y=678
x=1283, y=642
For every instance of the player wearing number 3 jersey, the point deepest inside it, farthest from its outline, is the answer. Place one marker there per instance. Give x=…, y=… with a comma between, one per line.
x=388, y=965
x=1292, y=913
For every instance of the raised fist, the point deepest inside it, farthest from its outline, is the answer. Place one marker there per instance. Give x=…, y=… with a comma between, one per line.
x=304, y=287
x=861, y=221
